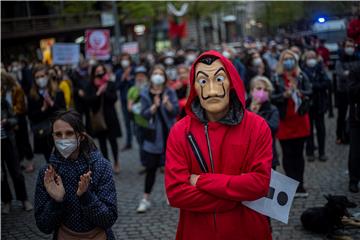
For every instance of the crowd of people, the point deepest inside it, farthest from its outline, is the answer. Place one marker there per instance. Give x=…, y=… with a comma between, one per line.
x=288, y=83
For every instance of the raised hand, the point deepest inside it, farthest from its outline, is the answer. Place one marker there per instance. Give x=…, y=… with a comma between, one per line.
x=165, y=99
x=101, y=89
x=53, y=184
x=157, y=100
x=83, y=183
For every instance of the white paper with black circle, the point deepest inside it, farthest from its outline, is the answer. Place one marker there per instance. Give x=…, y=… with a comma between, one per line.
x=279, y=200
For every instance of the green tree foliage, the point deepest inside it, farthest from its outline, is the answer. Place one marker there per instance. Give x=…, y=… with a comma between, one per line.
x=275, y=14
x=141, y=11
x=78, y=7
x=72, y=7
x=144, y=10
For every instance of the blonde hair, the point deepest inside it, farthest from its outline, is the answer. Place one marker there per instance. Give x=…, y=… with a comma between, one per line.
x=268, y=85
x=307, y=53
x=52, y=85
x=279, y=66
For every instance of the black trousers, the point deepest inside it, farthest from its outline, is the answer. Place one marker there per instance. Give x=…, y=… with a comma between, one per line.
x=22, y=139
x=354, y=155
x=126, y=117
x=10, y=159
x=139, y=133
x=152, y=164
x=342, y=105
x=317, y=120
x=113, y=144
x=293, y=158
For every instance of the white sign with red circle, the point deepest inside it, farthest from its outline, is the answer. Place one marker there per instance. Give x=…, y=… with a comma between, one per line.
x=97, y=44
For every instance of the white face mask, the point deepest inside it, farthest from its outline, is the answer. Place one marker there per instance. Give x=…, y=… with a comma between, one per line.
x=66, y=146
x=349, y=50
x=136, y=108
x=191, y=58
x=157, y=79
x=42, y=82
x=311, y=62
x=92, y=62
x=257, y=61
x=169, y=61
x=226, y=54
x=125, y=63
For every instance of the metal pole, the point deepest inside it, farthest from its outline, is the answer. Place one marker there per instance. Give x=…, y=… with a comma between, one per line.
x=28, y=11
x=116, y=29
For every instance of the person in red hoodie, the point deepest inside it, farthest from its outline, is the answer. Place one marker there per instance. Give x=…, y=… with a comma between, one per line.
x=218, y=156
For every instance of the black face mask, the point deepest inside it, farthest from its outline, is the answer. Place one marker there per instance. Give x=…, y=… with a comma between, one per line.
x=100, y=75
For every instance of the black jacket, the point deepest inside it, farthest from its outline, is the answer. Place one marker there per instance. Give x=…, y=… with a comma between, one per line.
x=277, y=97
x=354, y=93
x=271, y=114
x=38, y=117
x=80, y=81
x=108, y=100
x=320, y=87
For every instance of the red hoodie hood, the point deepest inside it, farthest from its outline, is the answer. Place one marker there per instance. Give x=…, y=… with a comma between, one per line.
x=235, y=81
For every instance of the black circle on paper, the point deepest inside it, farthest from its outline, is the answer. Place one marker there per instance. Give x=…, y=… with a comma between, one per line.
x=282, y=198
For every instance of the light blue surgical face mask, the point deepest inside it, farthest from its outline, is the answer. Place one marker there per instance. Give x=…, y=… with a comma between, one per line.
x=289, y=64
x=66, y=146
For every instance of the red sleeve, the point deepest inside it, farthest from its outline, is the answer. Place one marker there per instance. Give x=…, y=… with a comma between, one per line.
x=353, y=29
x=178, y=189
x=248, y=186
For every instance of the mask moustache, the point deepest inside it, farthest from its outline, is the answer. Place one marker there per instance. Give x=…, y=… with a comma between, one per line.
x=66, y=146
x=260, y=96
x=157, y=79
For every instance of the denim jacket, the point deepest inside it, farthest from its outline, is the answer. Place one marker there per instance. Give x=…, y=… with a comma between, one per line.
x=169, y=117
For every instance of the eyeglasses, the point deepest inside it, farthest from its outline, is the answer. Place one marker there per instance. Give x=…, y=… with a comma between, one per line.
x=66, y=134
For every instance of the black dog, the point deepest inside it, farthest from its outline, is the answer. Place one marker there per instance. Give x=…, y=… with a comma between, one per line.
x=328, y=218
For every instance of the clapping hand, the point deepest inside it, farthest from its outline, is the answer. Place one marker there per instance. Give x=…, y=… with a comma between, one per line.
x=47, y=99
x=157, y=100
x=84, y=183
x=156, y=104
x=101, y=89
x=53, y=184
x=165, y=99
x=255, y=106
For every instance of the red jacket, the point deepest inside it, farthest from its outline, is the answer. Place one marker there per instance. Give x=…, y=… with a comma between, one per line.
x=293, y=125
x=353, y=30
x=242, y=155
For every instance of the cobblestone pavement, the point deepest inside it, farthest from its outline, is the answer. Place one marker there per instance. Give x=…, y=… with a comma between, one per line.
x=160, y=222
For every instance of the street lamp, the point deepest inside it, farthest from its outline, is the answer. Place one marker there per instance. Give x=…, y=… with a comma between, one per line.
x=321, y=19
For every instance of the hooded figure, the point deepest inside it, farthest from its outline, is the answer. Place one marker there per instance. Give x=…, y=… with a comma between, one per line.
x=236, y=147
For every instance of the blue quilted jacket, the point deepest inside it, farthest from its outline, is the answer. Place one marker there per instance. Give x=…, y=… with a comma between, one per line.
x=95, y=208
